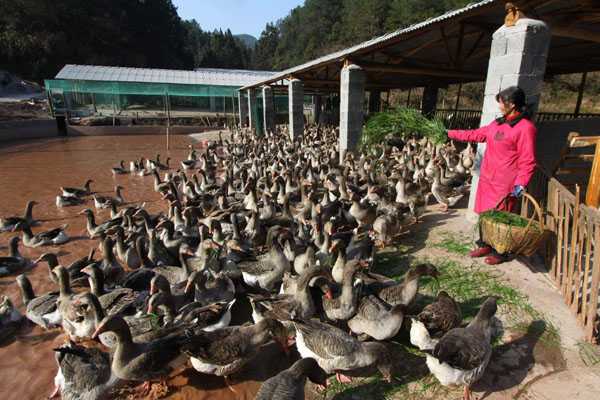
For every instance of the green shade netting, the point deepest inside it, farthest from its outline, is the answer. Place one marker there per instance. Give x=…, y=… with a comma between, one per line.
x=138, y=88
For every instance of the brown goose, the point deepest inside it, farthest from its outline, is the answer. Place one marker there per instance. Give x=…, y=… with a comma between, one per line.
x=10, y=223
x=41, y=310
x=63, y=303
x=267, y=271
x=337, y=351
x=141, y=361
x=286, y=307
x=225, y=351
x=289, y=384
x=210, y=287
x=377, y=319
x=10, y=318
x=14, y=262
x=52, y=237
x=441, y=316
x=343, y=306
x=83, y=373
x=78, y=192
x=405, y=291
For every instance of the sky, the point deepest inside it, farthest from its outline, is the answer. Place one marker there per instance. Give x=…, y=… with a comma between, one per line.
x=241, y=16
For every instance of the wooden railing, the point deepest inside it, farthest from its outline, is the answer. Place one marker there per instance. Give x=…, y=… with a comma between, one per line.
x=556, y=116
x=572, y=256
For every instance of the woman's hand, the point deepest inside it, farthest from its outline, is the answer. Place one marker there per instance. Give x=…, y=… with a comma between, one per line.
x=518, y=191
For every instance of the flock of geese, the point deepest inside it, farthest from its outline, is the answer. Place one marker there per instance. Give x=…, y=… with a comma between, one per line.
x=282, y=234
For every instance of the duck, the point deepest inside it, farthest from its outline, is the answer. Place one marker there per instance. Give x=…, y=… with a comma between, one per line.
x=14, y=262
x=225, y=351
x=337, y=351
x=78, y=191
x=83, y=373
x=56, y=236
x=344, y=306
x=437, y=318
x=10, y=319
x=405, y=291
x=141, y=362
x=461, y=356
x=289, y=384
x=41, y=310
x=68, y=201
x=377, y=319
x=8, y=224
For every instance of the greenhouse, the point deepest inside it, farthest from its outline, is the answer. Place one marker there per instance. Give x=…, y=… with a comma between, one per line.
x=103, y=95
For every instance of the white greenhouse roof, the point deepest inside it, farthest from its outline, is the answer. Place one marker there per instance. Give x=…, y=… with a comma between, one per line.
x=201, y=76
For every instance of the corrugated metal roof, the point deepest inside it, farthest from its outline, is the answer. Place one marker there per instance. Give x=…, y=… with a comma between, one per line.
x=375, y=41
x=202, y=76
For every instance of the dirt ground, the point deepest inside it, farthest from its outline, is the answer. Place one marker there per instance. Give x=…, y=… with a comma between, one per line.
x=524, y=364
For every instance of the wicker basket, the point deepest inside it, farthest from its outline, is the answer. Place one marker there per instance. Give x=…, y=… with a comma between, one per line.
x=514, y=239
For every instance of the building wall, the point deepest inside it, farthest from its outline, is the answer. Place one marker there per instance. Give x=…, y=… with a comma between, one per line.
x=27, y=129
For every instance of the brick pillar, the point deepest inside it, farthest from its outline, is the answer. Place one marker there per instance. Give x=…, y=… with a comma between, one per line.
x=268, y=109
x=429, y=102
x=296, y=108
x=352, y=96
x=317, y=107
x=243, y=109
x=517, y=58
x=252, y=110
x=374, y=101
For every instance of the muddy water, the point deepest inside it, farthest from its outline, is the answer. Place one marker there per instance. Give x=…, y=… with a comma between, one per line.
x=34, y=171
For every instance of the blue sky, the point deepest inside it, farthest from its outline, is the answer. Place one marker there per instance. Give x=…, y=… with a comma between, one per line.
x=241, y=16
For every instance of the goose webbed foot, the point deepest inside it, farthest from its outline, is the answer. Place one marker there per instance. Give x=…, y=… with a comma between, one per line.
x=467, y=393
x=341, y=378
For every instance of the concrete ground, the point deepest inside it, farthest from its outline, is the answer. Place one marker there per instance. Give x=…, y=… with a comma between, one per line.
x=570, y=370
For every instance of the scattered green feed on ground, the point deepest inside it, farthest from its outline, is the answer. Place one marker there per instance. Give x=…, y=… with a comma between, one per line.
x=453, y=243
x=470, y=285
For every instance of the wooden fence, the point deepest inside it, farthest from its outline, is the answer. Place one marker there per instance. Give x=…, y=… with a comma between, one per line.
x=571, y=254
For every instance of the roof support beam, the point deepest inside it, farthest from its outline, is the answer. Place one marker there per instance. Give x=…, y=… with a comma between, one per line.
x=575, y=33
x=446, y=73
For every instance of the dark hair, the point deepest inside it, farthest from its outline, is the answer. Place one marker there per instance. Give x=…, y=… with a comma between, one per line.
x=516, y=96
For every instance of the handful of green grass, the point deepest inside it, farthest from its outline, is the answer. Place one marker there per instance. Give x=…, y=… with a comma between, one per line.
x=506, y=218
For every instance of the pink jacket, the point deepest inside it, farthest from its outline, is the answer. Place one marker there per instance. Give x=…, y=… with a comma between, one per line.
x=509, y=159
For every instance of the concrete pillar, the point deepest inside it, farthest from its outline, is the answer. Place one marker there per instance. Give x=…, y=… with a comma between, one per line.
x=268, y=109
x=374, y=101
x=243, y=109
x=517, y=58
x=317, y=107
x=352, y=97
x=296, y=107
x=252, y=109
x=429, y=102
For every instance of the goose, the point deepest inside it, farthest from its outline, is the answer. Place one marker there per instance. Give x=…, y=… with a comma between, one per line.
x=289, y=384
x=66, y=297
x=95, y=230
x=389, y=226
x=364, y=213
x=377, y=319
x=188, y=164
x=461, y=356
x=120, y=169
x=83, y=373
x=343, y=306
x=211, y=287
x=55, y=236
x=446, y=196
x=405, y=291
x=336, y=351
x=68, y=201
x=74, y=270
x=267, y=271
x=41, y=310
x=141, y=362
x=14, y=262
x=210, y=317
x=10, y=223
x=437, y=318
x=225, y=351
x=10, y=318
x=78, y=192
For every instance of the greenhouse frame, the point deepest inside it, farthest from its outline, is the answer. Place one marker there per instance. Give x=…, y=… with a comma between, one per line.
x=117, y=93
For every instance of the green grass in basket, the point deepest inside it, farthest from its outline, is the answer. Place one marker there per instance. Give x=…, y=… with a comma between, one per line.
x=506, y=218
